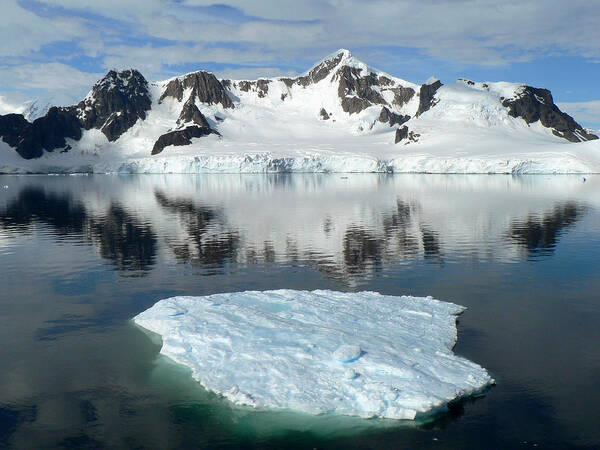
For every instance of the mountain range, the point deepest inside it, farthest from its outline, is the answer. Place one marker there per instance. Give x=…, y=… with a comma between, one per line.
x=340, y=116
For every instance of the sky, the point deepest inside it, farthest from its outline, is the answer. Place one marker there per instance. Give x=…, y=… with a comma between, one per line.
x=57, y=49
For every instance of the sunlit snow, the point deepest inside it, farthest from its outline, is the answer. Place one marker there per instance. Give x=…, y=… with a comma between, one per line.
x=468, y=131
x=363, y=354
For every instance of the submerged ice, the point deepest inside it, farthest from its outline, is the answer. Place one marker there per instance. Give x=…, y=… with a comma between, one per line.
x=362, y=353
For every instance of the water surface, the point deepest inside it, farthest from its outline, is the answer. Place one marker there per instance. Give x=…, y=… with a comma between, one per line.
x=81, y=255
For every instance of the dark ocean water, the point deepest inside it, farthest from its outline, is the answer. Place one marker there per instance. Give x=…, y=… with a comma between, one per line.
x=81, y=255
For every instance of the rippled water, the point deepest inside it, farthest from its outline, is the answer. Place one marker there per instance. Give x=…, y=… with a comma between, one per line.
x=81, y=255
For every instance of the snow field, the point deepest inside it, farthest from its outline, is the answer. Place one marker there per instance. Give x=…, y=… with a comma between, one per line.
x=468, y=131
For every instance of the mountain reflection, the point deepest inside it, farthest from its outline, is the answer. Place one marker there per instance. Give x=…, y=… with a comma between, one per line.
x=362, y=250
x=118, y=236
x=347, y=229
x=121, y=238
x=204, y=244
x=539, y=234
x=33, y=204
x=398, y=225
x=431, y=244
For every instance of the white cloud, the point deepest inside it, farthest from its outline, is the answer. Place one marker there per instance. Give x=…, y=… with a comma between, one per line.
x=587, y=113
x=24, y=32
x=151, y=60
x=294, y=33
x=253, y=73
x=57, y=83
x=119, y=9
x=8, y=106
x=43, y=75
x=476, y=32
x=280, y=10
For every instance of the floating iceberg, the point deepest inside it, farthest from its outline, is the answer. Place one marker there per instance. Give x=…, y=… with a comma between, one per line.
x=363, y=354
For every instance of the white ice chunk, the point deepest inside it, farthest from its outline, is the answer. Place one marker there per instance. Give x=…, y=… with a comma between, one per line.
x=361, y=353
x=347, y=353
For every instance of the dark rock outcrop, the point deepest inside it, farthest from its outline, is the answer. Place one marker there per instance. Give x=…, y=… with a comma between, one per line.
x=58, y=124
x=317, y=73
x=13, y=127
x=426, y=97
x=353, y=105
x=174, y=89
x=180, y=137
x=324, y=114
x=116, y=103
x=289, y=82
x=260, y=86
x=467, y=81
x=387, y=116
x=207, y=87
x=191, y=113
x=45, y=133
x=320, y=71
x=401, y=133
x=356, y=91
x=245, y=85
x=402, y=95
x=385, y=81
x=263, y=87
x=412, y=136
x=534, y=104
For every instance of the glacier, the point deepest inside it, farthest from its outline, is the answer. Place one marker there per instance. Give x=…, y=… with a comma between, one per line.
x=360, y=354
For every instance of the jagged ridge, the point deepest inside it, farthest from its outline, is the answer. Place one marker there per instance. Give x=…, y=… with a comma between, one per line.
x=363, y=96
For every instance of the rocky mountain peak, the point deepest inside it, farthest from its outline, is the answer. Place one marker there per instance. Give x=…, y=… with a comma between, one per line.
x=533, y=104
x=360, y=86
x=320, y=70
x=129, y=82
x=333, y=59
x=207, y=88
x=115, y=103
x=343, y=52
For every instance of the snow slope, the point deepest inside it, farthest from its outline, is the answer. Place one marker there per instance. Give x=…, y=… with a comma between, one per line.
x=361, y=354
x=281, y=128
x=35, y=108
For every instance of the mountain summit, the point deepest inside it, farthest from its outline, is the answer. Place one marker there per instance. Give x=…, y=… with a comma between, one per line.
x=340, y=104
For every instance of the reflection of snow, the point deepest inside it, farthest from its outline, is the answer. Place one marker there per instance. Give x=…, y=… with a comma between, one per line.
x=346, y=227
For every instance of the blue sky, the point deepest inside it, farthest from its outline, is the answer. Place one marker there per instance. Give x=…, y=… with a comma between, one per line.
x=59, y=48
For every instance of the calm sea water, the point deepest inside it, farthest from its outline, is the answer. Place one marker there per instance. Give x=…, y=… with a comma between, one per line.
x=81, y=255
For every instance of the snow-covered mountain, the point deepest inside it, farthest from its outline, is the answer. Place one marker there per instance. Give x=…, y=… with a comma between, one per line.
x=341, y=115
x=39, y=107
x=35, y=108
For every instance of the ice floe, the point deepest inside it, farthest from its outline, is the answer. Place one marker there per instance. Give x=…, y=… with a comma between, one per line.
x=363, y=353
